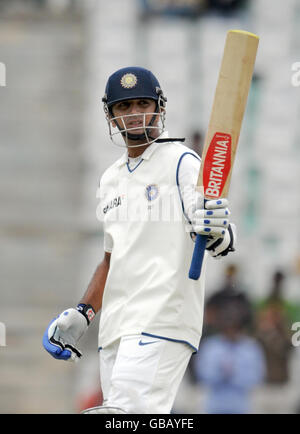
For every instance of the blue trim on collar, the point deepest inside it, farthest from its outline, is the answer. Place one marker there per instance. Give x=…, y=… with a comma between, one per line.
x=170, y=339
x=127, y=164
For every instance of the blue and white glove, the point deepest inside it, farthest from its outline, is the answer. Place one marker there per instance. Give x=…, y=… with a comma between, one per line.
x=214, y=222
x=62, y=334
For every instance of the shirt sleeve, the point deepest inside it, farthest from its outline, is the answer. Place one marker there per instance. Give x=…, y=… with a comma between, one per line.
x=108, y=242
x=188, y=170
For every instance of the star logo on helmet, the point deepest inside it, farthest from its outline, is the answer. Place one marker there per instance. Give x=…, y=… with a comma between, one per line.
x=128, y=81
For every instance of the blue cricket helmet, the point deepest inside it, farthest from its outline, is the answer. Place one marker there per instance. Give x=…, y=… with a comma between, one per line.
x=131, y=83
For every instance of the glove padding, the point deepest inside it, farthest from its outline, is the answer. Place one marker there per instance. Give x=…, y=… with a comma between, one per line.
x=222, y=246
x=62, y=334
x=213, y=221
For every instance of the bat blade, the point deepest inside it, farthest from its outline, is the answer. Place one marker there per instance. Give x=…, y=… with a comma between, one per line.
x=225, y=123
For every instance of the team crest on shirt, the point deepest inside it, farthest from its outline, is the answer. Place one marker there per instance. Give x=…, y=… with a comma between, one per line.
x=128, y=81
x=151, y=192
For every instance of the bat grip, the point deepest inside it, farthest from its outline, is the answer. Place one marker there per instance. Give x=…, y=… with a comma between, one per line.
x=198, y=254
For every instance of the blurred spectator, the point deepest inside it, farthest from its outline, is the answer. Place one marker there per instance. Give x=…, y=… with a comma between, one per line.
x=226, y=7
x=275, y=315
x=273, y=329
x=230, y=294
x=191, y=9
x=230, y=364
x=276, y=297
x=197, y=142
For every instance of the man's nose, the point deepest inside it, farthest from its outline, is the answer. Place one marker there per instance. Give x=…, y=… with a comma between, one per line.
x=135, y=108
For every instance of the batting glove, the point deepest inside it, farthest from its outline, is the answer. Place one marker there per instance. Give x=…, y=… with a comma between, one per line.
x=213, y=221
x=62, y=334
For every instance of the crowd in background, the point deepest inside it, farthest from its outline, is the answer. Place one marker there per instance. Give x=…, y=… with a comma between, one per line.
x=245, y=343
x=197, y=7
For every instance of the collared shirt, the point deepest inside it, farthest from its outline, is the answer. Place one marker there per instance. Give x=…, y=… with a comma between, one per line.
x=188, y=170
x=146, y=155
x=147, y=288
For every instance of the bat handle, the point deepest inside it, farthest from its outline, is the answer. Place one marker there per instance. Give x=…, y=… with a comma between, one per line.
x=198, y=254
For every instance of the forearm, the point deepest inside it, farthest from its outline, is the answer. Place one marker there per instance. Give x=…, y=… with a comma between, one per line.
x=94, y=292
x=62, y=334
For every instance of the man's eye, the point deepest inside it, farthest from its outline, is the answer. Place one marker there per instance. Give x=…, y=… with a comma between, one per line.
x=123, y=106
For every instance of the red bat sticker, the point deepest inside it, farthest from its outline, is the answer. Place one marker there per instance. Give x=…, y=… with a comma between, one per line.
x=217, y=165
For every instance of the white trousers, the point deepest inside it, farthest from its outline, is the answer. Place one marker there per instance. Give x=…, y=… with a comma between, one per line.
x=141, y=374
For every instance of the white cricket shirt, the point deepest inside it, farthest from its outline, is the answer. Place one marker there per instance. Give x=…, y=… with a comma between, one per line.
x=145, y=228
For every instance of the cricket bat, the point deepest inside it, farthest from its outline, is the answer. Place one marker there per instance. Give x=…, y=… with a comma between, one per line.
x=224, y=127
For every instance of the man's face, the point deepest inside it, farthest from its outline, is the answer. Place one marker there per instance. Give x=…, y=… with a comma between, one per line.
x=137, y=109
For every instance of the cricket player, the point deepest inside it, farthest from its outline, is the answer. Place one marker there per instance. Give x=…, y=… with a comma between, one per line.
x=151, y=312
